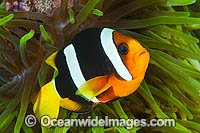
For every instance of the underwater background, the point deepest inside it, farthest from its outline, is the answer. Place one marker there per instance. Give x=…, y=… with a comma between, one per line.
x=31, y=30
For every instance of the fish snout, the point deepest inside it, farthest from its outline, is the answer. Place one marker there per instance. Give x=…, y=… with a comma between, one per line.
x=140, y=63
x=142, y=52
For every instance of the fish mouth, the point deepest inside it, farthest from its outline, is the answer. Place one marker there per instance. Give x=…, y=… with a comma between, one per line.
x=143, y=51
x=140, y=62
x=143, y=56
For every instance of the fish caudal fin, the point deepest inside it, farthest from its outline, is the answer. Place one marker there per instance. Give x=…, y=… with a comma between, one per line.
x=47, y=102
x=93, y=87
x=51, y=60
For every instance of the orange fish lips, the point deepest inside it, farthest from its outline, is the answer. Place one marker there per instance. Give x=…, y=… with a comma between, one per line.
x=144, y=58
x=143, y=51
x=140, y=63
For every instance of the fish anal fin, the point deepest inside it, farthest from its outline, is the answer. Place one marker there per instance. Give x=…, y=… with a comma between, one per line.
x=74, y=106
x=93, y=87
x=51, y=60
x=47, y=102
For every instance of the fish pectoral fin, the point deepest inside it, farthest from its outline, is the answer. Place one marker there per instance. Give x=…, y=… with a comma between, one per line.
x=47, y=102
x=51, y=60
x=93, y=87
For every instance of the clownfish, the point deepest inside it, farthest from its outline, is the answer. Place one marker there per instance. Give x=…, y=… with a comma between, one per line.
x=98, y=65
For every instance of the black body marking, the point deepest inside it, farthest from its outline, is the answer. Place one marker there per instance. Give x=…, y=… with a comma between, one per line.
x=64, y=83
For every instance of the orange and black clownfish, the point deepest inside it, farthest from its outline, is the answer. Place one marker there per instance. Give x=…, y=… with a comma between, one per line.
x=97, y=66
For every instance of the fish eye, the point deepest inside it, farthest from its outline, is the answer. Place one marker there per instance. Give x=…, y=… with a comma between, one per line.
x=123, y=49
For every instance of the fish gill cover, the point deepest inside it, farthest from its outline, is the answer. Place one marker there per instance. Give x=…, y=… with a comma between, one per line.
x=169, y=29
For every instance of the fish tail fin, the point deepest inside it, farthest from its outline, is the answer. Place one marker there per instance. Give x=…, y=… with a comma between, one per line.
x=47, y=102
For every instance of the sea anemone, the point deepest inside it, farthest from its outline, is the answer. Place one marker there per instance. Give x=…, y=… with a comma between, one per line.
x=169, y=29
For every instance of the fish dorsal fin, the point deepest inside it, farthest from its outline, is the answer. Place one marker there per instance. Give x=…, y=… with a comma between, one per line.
x=51, y=60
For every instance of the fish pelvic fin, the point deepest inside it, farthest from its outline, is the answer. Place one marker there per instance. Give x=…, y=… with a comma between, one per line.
x=108, y=96
x=93, y=87
x=51, y=60
x=47, y=102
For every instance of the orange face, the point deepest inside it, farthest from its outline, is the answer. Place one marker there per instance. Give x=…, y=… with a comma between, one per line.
x=136, y=60
x=137, y=57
